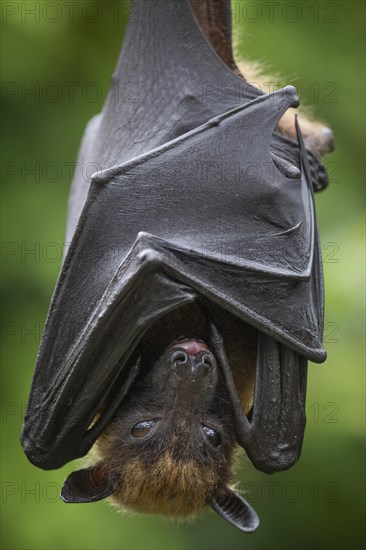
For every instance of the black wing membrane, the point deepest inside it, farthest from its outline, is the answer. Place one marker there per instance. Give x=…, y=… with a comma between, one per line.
x=165, y=222
x=168, y=81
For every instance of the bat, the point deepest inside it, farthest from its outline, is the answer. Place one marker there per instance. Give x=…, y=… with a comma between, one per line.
x=191, y=294
x=174, y=429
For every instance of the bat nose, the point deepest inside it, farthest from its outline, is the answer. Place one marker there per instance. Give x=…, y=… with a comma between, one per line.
x=204, y=364
x=179, y=358
x=200, y=364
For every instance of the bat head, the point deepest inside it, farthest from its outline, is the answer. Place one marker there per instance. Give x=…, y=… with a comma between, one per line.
x=170, y=447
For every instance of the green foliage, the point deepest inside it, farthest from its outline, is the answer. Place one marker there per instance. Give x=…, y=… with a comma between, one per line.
x=317, y=504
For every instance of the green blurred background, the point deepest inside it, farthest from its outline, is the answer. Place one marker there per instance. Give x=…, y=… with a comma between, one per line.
x=65, y=52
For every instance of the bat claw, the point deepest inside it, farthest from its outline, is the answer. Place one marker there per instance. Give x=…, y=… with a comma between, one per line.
x=215, y=338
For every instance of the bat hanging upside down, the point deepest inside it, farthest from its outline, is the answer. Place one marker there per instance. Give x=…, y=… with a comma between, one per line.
x=169, y=449
x=191, y=295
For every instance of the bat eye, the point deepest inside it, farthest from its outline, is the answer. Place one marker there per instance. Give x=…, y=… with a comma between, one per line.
x=142, y=429
x=213, y=436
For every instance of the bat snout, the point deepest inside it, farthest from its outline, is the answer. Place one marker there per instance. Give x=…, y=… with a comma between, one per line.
x=192, y=358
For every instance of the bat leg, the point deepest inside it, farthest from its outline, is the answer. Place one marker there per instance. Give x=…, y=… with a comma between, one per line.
x=272, y=438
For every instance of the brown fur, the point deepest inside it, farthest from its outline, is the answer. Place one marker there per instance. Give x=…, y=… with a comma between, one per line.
x=168, y=487
x=317, y=136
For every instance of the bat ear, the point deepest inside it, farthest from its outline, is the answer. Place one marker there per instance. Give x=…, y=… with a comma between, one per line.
x=88, y=485
x=234, y=509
